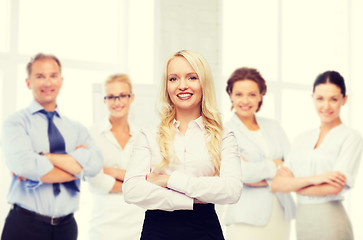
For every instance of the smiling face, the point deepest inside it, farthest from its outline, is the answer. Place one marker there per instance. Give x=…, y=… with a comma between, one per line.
x=245, y=98
x=45, y=81
x=184, y=87
x=118, y=107
x=328, y=100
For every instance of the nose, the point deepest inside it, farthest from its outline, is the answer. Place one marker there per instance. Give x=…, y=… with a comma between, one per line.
x=48, y=81
x=183, y=85
x=117, y=99
x=244, y=99
x=326, y=105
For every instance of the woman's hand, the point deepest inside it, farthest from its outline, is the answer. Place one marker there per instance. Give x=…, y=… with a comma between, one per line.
x=283, y=171
x=196, y=201
x=334, y=178
x=81, y=146
x=262, y=183
x=243, y=158
x=158, y=179
x=278, y=162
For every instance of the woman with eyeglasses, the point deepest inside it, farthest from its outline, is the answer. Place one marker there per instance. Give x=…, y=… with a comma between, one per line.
x=323, y=165
x=112, y=218
x=181, y=168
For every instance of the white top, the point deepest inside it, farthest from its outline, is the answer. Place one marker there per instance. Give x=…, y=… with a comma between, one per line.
x=340, y=150
x=191, y=176
x=261, y=141
x=259, y=149
x=112, y=218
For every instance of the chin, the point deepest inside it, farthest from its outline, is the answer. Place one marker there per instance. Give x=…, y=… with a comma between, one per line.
x=244, y=114
x=328, y=120
x=117, y=114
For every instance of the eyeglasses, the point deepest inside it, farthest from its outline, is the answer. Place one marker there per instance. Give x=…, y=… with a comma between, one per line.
x=120, y=97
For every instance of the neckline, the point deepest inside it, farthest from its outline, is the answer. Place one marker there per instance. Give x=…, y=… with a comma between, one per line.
x=325, y=138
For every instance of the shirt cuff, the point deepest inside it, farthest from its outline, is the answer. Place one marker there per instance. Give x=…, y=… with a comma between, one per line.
x=177, y=182
x=33, y=184
x=45, y=167
x=183, y=201
x=102, y=183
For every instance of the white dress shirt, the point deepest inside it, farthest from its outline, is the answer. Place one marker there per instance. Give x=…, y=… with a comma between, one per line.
x=191, y=176
x=255, y=204
x=341, y=151
x=112, y=218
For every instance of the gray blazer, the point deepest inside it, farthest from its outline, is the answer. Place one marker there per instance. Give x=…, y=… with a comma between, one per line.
x=255, y=204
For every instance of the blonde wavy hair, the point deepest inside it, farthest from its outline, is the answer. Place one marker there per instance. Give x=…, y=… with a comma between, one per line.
x=210, y=115
x=124, y=78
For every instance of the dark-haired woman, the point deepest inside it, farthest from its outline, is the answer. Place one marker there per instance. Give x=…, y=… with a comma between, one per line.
x=323, y=163
x=259, y=214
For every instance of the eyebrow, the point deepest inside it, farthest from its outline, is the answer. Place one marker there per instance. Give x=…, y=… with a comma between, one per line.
x=191, y=73
x=319, y=95
x=126, y=93
x=45, y=74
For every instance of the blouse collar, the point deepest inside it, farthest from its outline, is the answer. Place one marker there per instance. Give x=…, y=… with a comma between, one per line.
x=198, y=122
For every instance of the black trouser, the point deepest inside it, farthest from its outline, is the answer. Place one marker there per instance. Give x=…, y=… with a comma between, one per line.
x=21, y=224
x=201, y=223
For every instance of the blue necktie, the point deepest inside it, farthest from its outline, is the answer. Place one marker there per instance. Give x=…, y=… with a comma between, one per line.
x=57, y=145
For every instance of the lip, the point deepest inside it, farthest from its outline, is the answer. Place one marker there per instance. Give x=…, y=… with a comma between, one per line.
x=327, y=114
x=118, y=108
x=245, y=108
x=47, y=92
x=184, y=95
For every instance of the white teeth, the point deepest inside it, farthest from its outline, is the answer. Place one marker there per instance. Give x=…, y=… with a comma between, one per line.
x=184, y=95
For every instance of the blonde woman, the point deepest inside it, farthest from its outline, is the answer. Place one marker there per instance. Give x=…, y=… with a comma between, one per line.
x=179, y=170
x=112, y=218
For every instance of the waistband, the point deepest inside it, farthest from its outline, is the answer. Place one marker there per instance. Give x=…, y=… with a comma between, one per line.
x=198, y=209
x=54, y=221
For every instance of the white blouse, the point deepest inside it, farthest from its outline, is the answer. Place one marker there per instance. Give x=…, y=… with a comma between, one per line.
x=259, y=148
x=341, y=151
x=191, y=176
x=261, y=141
x=112, y=218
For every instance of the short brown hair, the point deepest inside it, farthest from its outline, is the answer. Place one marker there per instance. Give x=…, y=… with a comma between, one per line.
x=41, y=56
x=246, y=73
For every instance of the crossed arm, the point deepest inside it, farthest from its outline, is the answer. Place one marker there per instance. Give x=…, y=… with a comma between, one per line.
x=162, y=181
x=119, y=175
x=64, y=168
x=263, y=182
x=328, y=183
x=20, y=148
